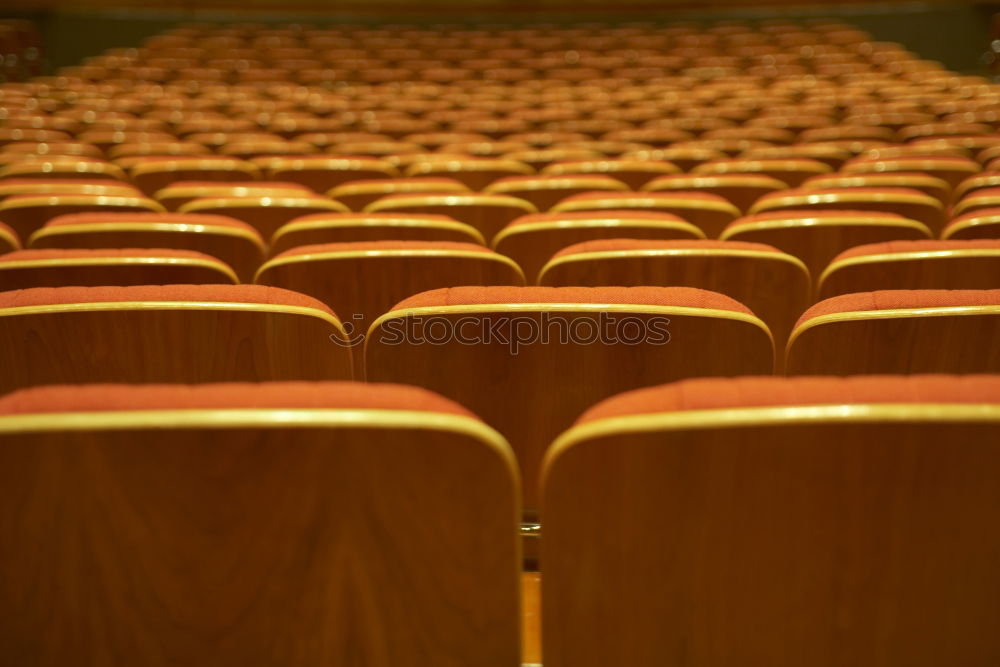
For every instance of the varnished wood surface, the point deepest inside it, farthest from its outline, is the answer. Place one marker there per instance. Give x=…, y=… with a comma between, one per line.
x=916, y=341
x=823, y=545
x=532, y=245
x=237, y=248
x=8, y=241
x=188, y=345
x=816, y=241
x=360, y=286
x=953, y=269
x=151, y=270
x=740, y=190
x=775, y=286
x=533, y=395
x=270, y=547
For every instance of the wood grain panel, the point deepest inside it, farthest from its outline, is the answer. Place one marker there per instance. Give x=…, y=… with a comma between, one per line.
x=267, y=547
x=933, y=340
x=816, y=544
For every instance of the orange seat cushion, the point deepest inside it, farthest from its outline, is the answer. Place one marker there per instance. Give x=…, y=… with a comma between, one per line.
x=268, y=395
x=685, y=297
x=753, y=392
x=902, y=299
x=611, y=245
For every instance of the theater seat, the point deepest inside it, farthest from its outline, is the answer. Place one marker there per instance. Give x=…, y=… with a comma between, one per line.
x=153, y=174
x=22, y=269
x=475, y=172
x=531, y=240
x=774, y=285
x=363, y=280
x=231, y=524
x=167, y=333
x=898, y=331
x=633, y=173
x=709, y=212
x=858, y=515
x=790, y=171
x=486, y=345
x=236, y=243
x=547, y=190
x=488, y=213
x=929, y=185
x=357, y=194
x=179, y=193
x=906, y=202
x=264, y=213
x=346, y=227
x=981, y=224
x=322, y=172
x=27, y=213
x=740, y=190
x=973, y=264
x=66, y=186
x=817, y=236
x=8, y=239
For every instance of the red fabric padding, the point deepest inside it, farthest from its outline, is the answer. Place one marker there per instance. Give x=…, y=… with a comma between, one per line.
x=152, y=218
x=334, y=216
x=277, y=395
x=73, y=253
x=901, y=299
x=603, y=214
x=892, y=247
x=41, y=296
x=759, y=392
x=361, y=246
x=611, y=245
x=686, y=297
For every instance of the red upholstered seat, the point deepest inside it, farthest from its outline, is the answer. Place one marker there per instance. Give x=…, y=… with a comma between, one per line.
x=863, y=494
x=927, y=264
x=613, y=245
x=682, y=297
x=189, y=333
x=898, y=331
x=981, y=224
x=23, y=269
x=544, y=358
x=709, y=212
x=234, y=242
x=363, y=280
x=758, y=392
x=246, y=495
x=223, y=396
x=8, y=239
x=260, y=294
